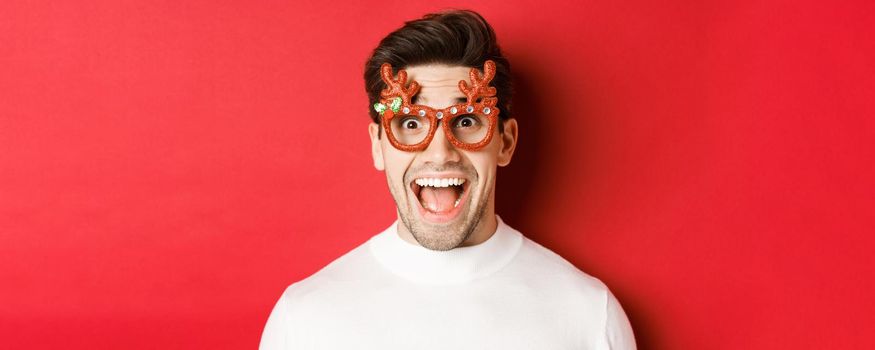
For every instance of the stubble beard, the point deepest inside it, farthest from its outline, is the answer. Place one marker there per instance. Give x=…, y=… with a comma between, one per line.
x=441, y=237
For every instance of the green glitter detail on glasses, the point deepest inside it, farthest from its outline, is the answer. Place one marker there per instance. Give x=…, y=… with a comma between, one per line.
x=394, y=105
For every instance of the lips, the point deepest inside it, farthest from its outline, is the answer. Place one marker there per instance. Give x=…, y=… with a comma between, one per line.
x=440, y=198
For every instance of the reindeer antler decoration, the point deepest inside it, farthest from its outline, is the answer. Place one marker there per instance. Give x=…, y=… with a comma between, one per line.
x=395, y=94
x=480, y=86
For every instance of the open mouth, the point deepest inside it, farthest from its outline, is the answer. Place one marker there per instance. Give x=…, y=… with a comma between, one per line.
x=440, y=198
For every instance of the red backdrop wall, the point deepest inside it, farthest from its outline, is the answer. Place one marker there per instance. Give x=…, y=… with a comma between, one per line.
x=167, y=168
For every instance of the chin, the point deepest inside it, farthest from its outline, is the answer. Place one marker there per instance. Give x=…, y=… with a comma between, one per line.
x=444, y=235
x=441, y=237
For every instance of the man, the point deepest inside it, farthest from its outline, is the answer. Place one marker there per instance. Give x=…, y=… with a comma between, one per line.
x=449, y=274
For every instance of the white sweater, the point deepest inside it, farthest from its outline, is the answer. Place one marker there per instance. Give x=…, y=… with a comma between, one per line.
x=505, y=293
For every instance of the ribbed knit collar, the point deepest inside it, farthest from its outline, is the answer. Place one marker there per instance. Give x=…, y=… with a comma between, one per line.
x=462, y=264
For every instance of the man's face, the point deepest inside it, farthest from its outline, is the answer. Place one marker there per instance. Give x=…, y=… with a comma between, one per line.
x=442, y=216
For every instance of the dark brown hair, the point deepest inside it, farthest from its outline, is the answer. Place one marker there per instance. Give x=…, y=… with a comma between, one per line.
x=458, y=37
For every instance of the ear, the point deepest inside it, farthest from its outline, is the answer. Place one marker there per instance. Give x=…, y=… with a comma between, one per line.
x=376, y=147
x=508, y=142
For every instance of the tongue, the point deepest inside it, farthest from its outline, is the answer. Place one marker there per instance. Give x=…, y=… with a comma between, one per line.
x=438, y=199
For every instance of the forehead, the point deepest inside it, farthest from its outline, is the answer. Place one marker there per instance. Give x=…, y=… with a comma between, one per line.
x=439, y=83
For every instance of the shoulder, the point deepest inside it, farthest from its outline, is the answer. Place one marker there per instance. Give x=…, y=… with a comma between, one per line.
x=353, y=270
x=544, y=265
x=569, y=288
x=292, y=316
x=544, y=275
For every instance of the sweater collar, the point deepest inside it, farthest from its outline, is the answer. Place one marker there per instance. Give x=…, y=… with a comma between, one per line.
x=462, y=264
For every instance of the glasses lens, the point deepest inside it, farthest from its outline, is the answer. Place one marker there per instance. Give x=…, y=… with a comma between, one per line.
x=470, y=128
x=409, y=129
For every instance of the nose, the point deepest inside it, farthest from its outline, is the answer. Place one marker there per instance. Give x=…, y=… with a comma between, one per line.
x=440, y=150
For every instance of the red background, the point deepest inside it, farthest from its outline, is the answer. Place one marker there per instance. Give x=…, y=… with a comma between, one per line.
x=167, y=168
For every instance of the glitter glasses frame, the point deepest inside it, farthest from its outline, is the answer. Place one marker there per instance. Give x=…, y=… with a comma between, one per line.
x=395, y=102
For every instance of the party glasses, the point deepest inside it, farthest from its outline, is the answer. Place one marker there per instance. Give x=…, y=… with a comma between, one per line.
x=466, y=125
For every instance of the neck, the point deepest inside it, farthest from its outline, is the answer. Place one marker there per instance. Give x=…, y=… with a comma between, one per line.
x=453, y=266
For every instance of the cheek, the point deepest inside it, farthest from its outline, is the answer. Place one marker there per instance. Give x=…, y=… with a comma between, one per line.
x=396, y=162
x=485, y=165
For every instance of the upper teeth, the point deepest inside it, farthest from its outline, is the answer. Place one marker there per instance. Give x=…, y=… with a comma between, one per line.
x=433, y=182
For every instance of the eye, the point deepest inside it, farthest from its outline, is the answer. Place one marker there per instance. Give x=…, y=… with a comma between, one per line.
x=465, y=121
x=411, y=123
